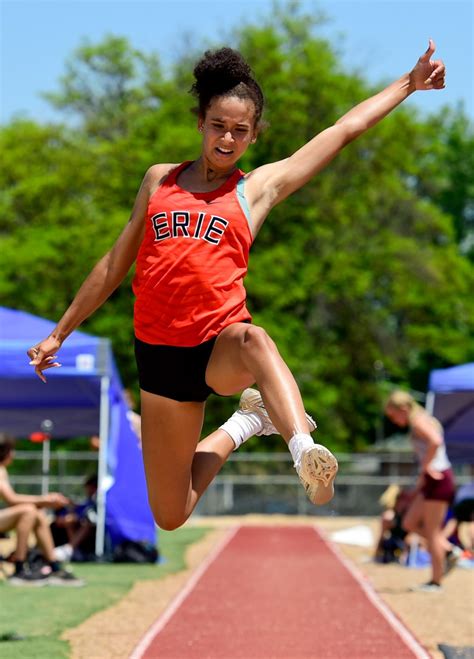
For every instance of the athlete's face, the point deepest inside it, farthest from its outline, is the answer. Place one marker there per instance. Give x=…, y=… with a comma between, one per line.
x=397, y=415
x=228, y=128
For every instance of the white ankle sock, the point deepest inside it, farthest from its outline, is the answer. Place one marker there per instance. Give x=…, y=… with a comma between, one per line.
x=241, y=426
x=63, y=553
x=297, y=444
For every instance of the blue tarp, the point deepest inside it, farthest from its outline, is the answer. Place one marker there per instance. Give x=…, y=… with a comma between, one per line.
x=71, y=400
x=453, y=391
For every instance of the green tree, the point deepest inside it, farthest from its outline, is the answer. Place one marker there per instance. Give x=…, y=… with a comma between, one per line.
x=107, y=86
x=452, y=187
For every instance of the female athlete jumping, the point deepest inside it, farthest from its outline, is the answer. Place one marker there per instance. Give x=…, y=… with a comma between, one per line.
x=190, y=232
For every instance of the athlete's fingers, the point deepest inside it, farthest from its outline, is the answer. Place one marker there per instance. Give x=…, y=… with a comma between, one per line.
x=39, y=370
x=438, y=70
x=37, y=356
x=429, y=51
x=39, y=373
x=41, y=357
x=439, y=81
x=33, y=355
x=54, y=365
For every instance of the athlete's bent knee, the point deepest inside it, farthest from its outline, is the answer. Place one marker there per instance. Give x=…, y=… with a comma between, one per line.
x=169, y=524
x=256, y=340
x=167, y=521
x=26, y=509
x=41, y=518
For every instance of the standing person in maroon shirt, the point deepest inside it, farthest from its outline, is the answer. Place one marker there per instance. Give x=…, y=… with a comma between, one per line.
x=435, y=488
x=190, y=231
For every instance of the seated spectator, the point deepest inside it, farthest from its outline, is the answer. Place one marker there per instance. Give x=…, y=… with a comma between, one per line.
x=25, y=516
x=459, y=528
x=392, y=543
x=74, y=527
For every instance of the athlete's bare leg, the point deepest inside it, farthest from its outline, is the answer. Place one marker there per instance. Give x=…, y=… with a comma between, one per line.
x=20, y=517
x=412, y=520
x=43, y=535
x=434, y=515
x=178, y=469
x=416, y=518
x=426, y=518
x=244, y=354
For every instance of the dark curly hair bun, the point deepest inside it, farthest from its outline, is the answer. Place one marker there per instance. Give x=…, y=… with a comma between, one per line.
x=224, y=72
x=220, y=70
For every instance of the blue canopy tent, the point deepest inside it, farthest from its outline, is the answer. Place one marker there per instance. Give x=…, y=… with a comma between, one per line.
x=451, y=399
x=83, y=397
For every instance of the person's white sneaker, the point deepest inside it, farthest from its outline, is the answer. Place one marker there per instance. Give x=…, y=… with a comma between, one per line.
x=63, y=553
x=317, y=470
x=251, y=401
x=430, y=587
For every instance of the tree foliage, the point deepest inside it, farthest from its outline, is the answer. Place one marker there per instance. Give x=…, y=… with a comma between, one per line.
x=371, y=262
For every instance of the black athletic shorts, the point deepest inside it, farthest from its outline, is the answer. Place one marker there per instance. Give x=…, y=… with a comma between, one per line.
x=174, y=372
x=463, y=510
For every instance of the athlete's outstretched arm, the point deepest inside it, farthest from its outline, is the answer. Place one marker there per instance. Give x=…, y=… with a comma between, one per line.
x=104, y=278
x=274, y=182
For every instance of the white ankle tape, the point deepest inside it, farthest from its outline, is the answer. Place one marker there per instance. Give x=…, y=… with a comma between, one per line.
x=241, y=426
x=297, y=444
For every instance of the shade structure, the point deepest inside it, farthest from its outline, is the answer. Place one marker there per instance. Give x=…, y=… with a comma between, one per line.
x=451, y=400
x=83, y=397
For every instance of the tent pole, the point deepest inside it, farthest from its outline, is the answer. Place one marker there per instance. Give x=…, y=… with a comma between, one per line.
x=45, y=467
x=102, y=471
x=429, y=402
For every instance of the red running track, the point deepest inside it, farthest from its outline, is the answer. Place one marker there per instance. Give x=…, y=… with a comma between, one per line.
x=277, y=592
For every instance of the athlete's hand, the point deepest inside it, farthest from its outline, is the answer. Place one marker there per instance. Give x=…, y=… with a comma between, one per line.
x=434, y=473
x=56, y=500
x=43, y=356
x=428, y=73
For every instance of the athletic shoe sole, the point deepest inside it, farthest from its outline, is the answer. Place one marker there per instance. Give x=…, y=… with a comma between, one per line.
x=426, y=588
x=65, y=583
x=251, y=401
x=317, y=471
x=32, y=583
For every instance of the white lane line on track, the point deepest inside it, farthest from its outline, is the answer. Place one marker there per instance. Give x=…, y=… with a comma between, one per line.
x=404, y=633
x=183, y=594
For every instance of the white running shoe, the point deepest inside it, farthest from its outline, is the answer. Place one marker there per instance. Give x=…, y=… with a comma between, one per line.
x=63, y=553
x=251, y=401
x=317, y=470
x=430, y=587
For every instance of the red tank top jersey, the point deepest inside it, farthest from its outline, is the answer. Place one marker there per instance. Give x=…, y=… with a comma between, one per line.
x=191, y=264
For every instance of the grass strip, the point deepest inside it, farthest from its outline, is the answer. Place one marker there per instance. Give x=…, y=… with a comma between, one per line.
x=38, y=616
